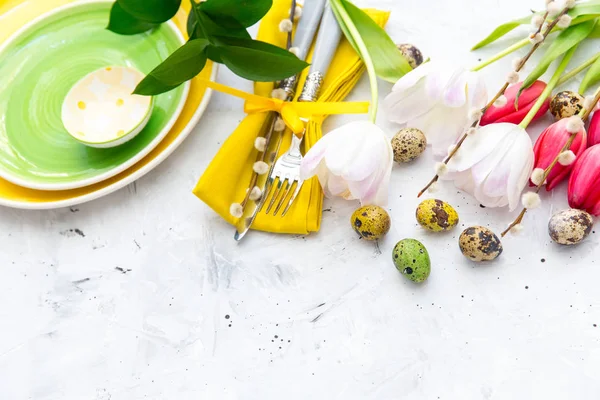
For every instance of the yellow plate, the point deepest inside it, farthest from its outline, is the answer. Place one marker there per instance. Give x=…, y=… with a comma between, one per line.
x=16, y=13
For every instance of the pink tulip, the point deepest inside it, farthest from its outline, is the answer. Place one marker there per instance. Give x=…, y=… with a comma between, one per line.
x=594, y=130
x=550, y=144
x=508, y=112
x=584, y=184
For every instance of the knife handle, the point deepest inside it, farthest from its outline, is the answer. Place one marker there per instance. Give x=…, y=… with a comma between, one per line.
x=328, y=40
x=312, y=12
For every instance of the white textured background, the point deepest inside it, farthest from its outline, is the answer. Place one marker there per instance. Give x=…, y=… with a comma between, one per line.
x=145, y=295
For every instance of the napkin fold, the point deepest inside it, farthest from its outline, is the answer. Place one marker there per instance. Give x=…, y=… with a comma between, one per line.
x=228, y=175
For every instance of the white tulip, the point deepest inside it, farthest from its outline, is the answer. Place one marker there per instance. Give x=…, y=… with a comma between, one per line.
x=494, y=165
x=353, y=161
x=439, y=100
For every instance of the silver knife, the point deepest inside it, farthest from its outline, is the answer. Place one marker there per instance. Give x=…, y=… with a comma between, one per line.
x=312, y=12
x=328, y=40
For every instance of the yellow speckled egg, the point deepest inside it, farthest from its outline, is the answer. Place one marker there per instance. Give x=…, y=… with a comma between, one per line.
x=436, y=215
x=371, y=222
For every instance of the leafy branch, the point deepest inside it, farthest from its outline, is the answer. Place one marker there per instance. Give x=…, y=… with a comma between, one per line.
x=217, y=31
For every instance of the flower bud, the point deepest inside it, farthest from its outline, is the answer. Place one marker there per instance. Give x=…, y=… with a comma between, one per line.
x=584, y=183
x=508, y=113
x=549, y=146
x=594, y=130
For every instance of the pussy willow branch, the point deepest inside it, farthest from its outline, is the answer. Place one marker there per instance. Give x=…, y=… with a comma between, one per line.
x=500, y=92
x=269, y=126
x=584, y=116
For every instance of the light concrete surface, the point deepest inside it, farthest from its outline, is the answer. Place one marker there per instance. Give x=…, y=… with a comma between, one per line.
x=144, y=294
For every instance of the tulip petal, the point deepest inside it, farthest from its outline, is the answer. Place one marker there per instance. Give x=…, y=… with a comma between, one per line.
x=584, y=182
x=478, y=146
x=594, y=130
x=437, y=81
x=442, y=127
x=508, y=113
x=402, y=106
x=477, y=91
x=455, y=93
x=373, y=190
x=413, y=77
x=521, y=167
x=312, y=160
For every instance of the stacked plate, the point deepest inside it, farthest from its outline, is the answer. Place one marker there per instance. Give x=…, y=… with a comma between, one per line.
x=46, y=48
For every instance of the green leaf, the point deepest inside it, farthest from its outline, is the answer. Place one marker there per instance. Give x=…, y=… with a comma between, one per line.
x=184, y=64
x=580, y=13
x=564, y=41
x=208, y=28
x=587, y=8
x=595, y=32
x=125, y=24
x=503, y=30
x=191, y=25
x=389, y=62
x=591, y=77
x=245, y=12
x=259, y=61
x=156, y=11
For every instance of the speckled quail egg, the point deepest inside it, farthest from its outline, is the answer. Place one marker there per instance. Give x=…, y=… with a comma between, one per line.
x=371, y=222
x=412, y=54
x=436, y=215
x=412, y=260
x=570, y=227
x=480, y=244
x=565, y=104
x=408, y=144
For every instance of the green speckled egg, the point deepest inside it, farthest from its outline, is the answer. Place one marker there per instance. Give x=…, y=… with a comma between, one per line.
x=436, y=215
x=569, y=227
x=480, y=244
x=371, y=222
x=412, y=260
x=565, y=104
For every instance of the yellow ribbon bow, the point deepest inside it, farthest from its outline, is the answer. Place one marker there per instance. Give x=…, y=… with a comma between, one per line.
x=291, y=112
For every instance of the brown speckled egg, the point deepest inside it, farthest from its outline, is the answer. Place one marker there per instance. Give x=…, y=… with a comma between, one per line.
x=566, y=104
x=412, y=54
x=479, y=244
x=569, y=227
x=408, y=144
x=371, y=222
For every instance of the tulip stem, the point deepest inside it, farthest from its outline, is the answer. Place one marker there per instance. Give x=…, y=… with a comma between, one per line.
x=519, y=67
x=519, y=45
x=549, y=88
x=345, y=19
x=571, y=74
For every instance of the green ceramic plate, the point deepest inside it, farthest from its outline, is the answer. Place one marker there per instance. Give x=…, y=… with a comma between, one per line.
x=38, y=66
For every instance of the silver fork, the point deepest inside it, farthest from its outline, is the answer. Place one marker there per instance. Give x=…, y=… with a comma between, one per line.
x=287, y=174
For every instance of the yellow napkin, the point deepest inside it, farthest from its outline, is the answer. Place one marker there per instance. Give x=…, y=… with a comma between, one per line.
x=228, y=175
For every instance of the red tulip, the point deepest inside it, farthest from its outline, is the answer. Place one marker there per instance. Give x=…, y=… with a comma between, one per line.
x=508, y=113
x=594, y=130
x=550, y=144
x=584, y=184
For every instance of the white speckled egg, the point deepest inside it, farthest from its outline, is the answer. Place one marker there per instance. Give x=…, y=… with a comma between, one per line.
x=478, y=243
x=408, y=144
x=569, y=227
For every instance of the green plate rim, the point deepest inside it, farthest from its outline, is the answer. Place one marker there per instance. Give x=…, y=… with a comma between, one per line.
x=79, y=183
